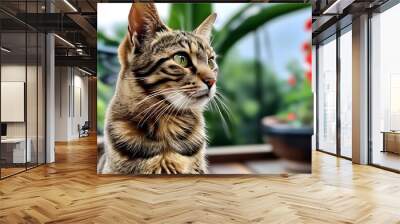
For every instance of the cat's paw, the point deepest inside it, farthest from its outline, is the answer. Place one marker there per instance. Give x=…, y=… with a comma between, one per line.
x=175, y=164
x=172, y=167
x=169, y=165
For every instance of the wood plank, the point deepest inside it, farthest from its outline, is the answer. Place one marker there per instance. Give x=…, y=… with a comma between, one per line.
x=70, y=191
x=245, y=149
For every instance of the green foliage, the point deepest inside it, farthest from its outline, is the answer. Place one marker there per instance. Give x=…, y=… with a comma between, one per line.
x=187, y=17
x=297, y=104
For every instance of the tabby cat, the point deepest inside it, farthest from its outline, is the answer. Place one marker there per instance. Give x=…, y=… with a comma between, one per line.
x=154, y=123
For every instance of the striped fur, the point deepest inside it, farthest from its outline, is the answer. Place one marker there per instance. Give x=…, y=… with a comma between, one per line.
x=154, y=123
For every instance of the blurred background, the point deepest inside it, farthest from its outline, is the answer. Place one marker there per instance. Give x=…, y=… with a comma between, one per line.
x=265, y=76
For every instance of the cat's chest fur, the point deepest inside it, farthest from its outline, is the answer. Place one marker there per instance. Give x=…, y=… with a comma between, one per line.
x=182, y=133
x=171, y=130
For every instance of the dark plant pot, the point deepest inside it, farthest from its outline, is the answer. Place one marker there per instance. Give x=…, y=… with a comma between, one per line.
x=292, y=144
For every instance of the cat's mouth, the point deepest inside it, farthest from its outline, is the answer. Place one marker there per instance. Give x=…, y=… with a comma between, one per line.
x=201, y=94
x=191, y=99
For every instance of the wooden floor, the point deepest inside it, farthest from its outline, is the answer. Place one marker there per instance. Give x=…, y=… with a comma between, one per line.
x=387, y=159
x=11, y=170
x=70, y=191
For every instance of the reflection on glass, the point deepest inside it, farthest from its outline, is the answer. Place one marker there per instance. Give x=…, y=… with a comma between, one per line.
x=346, y=94
x=385, y=83
x=14, y=146
x=327, y=96
x=22, y=90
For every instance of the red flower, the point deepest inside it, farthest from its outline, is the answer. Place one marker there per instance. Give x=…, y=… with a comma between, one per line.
x=291, y=116
x=308, y=24
x=309, y=58
x=306, y=47
x=309, y=75
x=292, y=80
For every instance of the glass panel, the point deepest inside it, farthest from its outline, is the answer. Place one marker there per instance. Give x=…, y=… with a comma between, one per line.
x=13, y=86
x=385, y=84
x=32, y=87
x=31, y=99
x=327, y=96
x=41, y=99
x=23, y=88
x=346, y=94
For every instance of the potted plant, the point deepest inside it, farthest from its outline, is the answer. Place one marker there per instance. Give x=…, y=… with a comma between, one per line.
x=290, y=130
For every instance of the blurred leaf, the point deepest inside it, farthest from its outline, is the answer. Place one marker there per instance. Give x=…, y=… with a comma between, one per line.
x=101, y=37
x=184, y=16
x=101, y=110
x=250, y=108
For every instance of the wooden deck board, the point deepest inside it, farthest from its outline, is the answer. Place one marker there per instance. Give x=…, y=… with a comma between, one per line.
x=70, y=191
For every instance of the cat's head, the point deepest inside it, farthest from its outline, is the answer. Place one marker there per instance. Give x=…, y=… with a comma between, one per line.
x=177, y=66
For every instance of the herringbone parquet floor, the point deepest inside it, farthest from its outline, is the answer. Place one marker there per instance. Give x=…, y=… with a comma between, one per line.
x=69, y=191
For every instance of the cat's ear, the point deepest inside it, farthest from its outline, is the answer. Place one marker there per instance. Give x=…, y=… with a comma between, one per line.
x=205, y=28
x=144, y=22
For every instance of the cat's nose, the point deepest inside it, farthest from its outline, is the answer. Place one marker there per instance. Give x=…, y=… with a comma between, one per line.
x=209, y=82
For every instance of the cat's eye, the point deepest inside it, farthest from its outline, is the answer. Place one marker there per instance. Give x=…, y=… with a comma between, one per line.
x=181, y=59
x=211, y=63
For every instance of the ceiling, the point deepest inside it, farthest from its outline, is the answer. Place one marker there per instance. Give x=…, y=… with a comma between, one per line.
x=74, y=22
x=328, y=16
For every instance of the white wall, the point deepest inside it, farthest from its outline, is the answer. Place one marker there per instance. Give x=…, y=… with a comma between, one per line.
x=80, y=94
x=70, y=83
x=12, y=73
x=61, y=103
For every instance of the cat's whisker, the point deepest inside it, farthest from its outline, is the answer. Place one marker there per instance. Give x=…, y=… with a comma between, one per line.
x=224, y=107
x=150, y=107
x=182, y=97
x=209, y=106
x=159, y=110
x=136, y=78
x=184, y=104
x=212, y=106
x=169, y=116
x=148, y=98
x=149, y=112
x=221, y=99
x=171, y=107
x=166, y=109
x=159, y=92
x=219, y=93
x=156, y=93
x=224, y=123
x=155, y=110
